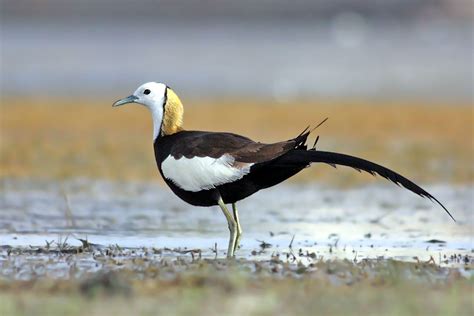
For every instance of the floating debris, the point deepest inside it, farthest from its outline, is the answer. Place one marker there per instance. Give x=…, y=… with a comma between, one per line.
x=435, y=241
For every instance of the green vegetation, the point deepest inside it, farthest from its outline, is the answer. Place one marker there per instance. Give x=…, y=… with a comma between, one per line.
x=215, y=287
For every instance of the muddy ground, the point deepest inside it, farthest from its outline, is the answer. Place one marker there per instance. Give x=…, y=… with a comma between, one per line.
x=87, y=228
x=87, y=246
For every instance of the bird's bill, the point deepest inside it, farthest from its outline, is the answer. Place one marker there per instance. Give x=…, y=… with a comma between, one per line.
x=129, y=99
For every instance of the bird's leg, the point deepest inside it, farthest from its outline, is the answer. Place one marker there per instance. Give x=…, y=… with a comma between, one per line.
x=239, y=228
x=232, y=228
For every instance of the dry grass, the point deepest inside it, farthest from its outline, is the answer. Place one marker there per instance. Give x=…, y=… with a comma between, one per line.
x=61, y=138
x=146, y=286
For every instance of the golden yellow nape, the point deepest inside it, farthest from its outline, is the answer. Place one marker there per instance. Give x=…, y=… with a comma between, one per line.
x=173, y=114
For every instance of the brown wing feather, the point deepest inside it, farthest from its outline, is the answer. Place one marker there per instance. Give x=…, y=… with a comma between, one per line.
x=243, y=149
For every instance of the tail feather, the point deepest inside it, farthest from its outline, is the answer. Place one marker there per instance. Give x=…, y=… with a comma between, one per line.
x=359, y=164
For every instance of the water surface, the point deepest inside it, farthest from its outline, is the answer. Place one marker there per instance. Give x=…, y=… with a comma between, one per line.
x=365, y=222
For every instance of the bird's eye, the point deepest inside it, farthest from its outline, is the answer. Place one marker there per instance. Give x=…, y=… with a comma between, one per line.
x=147, y=91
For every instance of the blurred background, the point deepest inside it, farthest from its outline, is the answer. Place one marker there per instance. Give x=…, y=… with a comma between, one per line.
x=395, y=77
x=277, y=49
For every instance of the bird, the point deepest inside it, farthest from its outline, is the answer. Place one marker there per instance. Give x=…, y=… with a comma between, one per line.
x=206, y=168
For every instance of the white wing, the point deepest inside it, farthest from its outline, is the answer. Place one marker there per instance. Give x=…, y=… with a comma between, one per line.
x=203, y=173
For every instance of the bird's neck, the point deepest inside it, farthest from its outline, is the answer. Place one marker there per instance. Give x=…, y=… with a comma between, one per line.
x=170, y=129
x=172, y=115
x=167, y=123
x=157, y=118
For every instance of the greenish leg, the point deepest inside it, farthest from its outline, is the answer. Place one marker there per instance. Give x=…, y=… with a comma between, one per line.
x=239, y=228
x=232, y=228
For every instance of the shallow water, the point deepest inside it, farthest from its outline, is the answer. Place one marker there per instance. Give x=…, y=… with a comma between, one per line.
x=365, y=222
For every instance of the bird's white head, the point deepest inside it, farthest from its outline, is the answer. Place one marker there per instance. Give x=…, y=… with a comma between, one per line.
x=165, y=107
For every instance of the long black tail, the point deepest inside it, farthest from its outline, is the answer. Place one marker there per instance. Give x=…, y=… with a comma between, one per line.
x=360, y=164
